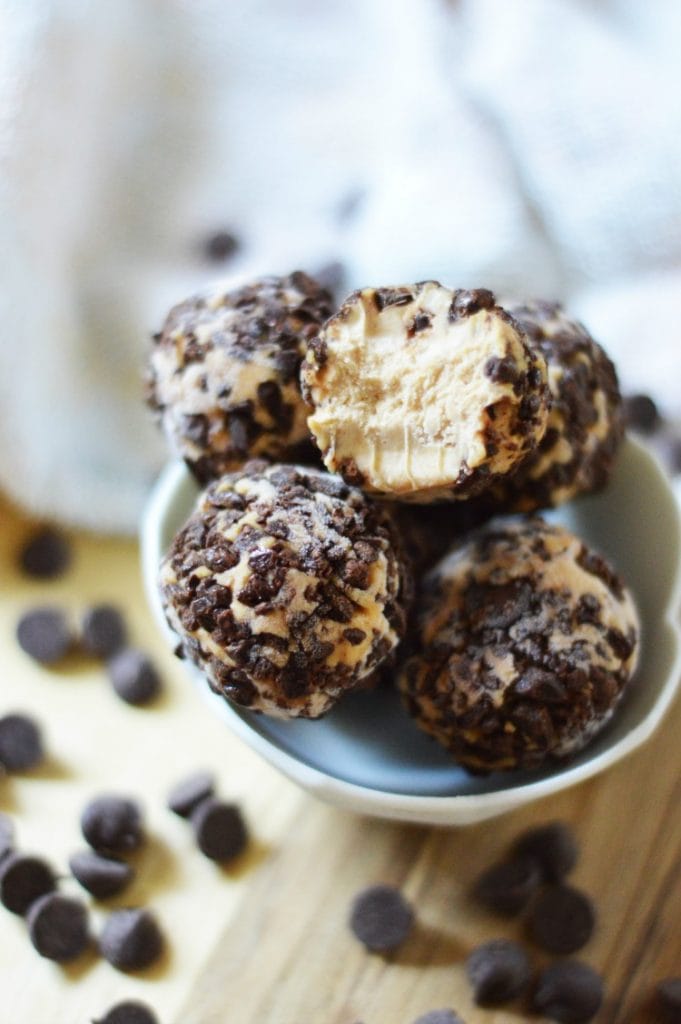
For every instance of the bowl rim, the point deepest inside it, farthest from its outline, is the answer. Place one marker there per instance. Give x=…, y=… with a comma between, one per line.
x=389, y=803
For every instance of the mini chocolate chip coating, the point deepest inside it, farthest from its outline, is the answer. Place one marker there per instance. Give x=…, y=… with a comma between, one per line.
x=562, y=919
x=101, y=876
x=287, y=587
x=134, y=676
x=131, y=939
x=381, y=918
x=506, y=888
x=569, y=992
x=668, y=998
x=21, y=743
x=439, y=1017
x=497, y=971
x=553, y=847
x=112, y=824
x=223, y=372
x=46, y=555
x=220, y=246
x=187, y=794
x=23, y=880
x=220, y=830
x=6, y=835
x=129, y=1012
x=103, y=631
x=44, y=634
x=58, y=927
x=525, y=642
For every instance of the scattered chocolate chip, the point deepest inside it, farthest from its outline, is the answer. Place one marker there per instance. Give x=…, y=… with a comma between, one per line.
x=552, y=846
x=562, y=919
x=190, y=792
x=133, y=676
x=641, y=413
x=46, y=554
x=381, y=918
x=103, y=631
x=569, y=991
x=6, y=835
x=58, y=927
x=101, y=876
x=439, y=1017
x=21, y=743
x=24, y=879
x=506, y=888
x=220, y=829
x=44, y=635
x=668, y=997
x=131, y=939
x=128, y=1012
x=220, y=246
x=497, y=971
x=112, y=824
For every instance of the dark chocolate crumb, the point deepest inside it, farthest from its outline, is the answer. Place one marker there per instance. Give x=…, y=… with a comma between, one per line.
x=190, y=792
x=381, y=918
x=58, y=927
x=128, y=1012
x=439, y=1017
x=668, y=997
x=103, y=631
x=220, y=246
x=112, y=824
x=220, y=830
x=569, y=992
x=552, y=846
x=6, y=835
x=134, y=676
x=44, y=635
x=641, y=413
x=46, y=554
x=21, y=743
x=497, y=971
x=562, y=919
x=101, y=876
x=131, y=939
x=24, y=879
x=506, y=888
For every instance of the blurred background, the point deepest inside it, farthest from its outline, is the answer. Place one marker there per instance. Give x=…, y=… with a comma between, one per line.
x=150, y=146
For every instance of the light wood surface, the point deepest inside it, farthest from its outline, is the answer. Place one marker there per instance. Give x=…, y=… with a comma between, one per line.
x=266, y=941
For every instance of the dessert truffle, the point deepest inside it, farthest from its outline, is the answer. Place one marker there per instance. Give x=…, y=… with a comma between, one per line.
x=424, y=394
x=586, y=421
x=526, y=642
x=287, y=587
x=223, y=372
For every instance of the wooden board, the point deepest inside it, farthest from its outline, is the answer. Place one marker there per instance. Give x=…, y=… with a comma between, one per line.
x=266, y=942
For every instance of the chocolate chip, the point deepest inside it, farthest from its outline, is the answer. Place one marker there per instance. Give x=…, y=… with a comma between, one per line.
x=21, y=743
x=131, y=939
x=467, y=302
x=569, y=991
x=6, y=835
x=439, y=1017
x=641, y=413
x=190, y=792
x=112, y=824
x=497, y=971
x=506, y=888
x=668, y=995
x=220, y=830
x=381, y=918
x=103, y=631
x=133, y=676
x=220, y=246
x=46, y=554
x=502, y=371
x=552, y=846
x=384, y=297
x=101, y=876
x=128, y=1012
x=24, y=879
x=44, y=635
x=58, y=927
x=562, y=919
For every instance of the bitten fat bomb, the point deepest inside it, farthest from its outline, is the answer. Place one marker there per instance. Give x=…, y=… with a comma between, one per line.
x=586, y=421
x=423, y=394
x=223, y=372
x=526, y=642
x=286, y=587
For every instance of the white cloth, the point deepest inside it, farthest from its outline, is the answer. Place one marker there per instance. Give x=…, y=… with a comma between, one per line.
x=530, y=147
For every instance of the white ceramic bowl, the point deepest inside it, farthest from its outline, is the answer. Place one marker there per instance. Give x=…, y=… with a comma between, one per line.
x=367, y=755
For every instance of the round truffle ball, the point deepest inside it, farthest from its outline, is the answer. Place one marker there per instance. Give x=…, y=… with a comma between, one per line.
x=286, y=587
x=586, y=420
x=223, y=372
x=526, y=642
x=424, y=394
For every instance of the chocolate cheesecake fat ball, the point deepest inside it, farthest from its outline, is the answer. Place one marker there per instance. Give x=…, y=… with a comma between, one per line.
x=223, y=372
x=424, y=394
x=526, y=641
x=286, y=586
